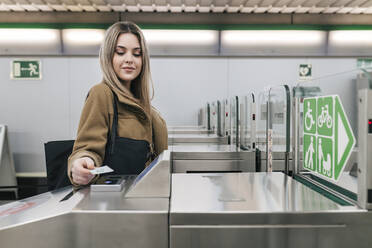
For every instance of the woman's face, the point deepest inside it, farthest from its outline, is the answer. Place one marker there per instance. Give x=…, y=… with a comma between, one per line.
x=127, y=59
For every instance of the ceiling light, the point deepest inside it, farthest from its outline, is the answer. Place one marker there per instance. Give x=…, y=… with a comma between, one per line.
x=180, y=37
x=83, y=36
x=273, y=42
x=272, y=37
x=350, y=37
x=28, y=35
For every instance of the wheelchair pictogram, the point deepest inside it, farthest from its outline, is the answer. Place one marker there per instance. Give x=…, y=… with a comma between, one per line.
x=309, y=119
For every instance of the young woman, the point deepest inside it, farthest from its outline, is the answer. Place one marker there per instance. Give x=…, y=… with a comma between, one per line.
x=118, y=126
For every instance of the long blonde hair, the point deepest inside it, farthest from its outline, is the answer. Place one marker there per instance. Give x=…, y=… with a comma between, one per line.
x=140, y=85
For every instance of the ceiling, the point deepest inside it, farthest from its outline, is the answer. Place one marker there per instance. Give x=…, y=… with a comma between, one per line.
x=357, y=7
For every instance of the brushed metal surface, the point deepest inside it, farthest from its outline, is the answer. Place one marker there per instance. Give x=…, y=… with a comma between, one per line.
x=260, y=210
x=208, y=151
x=7, y=169
x=154, y=180
x=185, y=128
x=199, y=166
x=93, y=219
x=91, y=229
x=117, y=202
x=211, y=157
x=196, y=138
x=245, y=193
x=203, y=148
x=36, y=208
x=277, y=236
x=365, y=142
x=100, y=219
x=190, y=131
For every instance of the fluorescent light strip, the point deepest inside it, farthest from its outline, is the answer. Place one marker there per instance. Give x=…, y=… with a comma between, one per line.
x=180, y=37
x=28, y=36
x=272, y=37
x=83, y=36
x=350, y=37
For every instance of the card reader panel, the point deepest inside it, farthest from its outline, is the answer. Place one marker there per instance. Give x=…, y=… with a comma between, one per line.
x=113, y=183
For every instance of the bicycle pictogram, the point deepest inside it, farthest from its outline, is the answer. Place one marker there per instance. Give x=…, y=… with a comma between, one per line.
x=325, y=118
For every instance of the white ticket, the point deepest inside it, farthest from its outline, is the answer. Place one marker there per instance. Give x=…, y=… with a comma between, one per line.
x=101, y=170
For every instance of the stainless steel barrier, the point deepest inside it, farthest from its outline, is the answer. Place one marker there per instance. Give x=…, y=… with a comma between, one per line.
x=260, y=210
x=136, y=216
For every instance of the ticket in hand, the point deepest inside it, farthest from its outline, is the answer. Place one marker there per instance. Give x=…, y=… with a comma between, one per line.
x=101, y=170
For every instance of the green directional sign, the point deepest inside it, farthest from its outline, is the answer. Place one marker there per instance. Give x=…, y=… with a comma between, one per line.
x=26, y=69
x=328, y=138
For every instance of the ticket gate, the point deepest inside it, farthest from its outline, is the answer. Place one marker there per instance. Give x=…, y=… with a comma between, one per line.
x=8, y=180
x=176, y=139
x=205, y=210
x=200, y=135
x=191, y=130
x=120, y=211
x=235, y=121
x=203, y=126
x=211, y=158
x=160, y=209
x=272, y=209
x=261, y=210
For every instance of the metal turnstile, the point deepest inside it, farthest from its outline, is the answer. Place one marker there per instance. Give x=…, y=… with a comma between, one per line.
x=188, y=130
x=174, y=139
x=213, y=132
x=234, y=122
x=136, y=216
x=365, y=147
x=261, y=210
x=7, y=170
x=211, y=158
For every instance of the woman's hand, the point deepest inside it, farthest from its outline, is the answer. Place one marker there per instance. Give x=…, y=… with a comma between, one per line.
x=80, y=170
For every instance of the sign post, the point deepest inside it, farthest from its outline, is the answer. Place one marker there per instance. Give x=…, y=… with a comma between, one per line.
x=328, y=138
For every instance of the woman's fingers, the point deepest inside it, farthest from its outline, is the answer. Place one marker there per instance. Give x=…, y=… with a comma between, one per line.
x=81, y=180
x=81, y=170
x=88, y=163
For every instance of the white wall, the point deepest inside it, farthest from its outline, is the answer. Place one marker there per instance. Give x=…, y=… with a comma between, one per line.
x=49, y=109
x=183, y=85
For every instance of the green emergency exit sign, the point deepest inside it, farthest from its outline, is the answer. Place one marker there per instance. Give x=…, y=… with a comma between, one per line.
x=26, y=69
x=328, y=138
